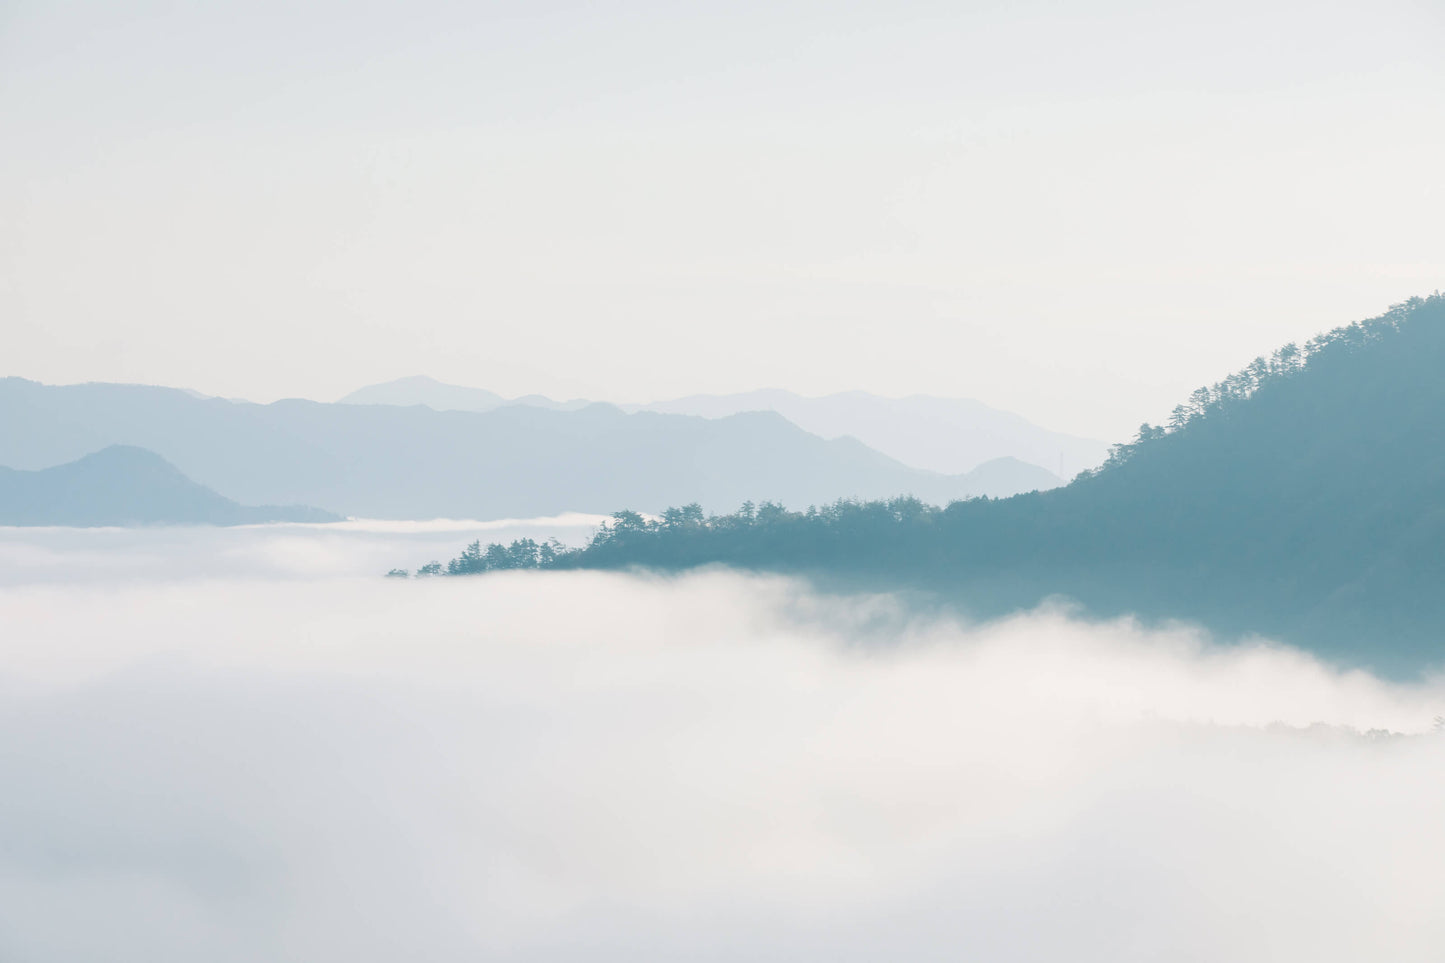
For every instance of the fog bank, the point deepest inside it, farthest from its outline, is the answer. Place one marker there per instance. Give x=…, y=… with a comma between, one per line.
x=236, y=765
x=357, y=546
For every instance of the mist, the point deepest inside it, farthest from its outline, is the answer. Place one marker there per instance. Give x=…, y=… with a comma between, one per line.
x=208, y=757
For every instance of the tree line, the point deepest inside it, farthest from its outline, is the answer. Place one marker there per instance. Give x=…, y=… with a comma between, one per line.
x=1302, y=497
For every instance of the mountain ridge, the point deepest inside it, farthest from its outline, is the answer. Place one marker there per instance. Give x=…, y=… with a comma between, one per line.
x=122, y=485
x=386, y=461
x=947, y=435
x=944, y=435
x=1301, y=498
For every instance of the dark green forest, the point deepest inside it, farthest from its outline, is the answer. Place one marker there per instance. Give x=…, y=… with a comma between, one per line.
x=1302, y=498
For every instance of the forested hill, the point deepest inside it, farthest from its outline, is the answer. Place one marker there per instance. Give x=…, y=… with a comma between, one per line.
x=1302, y=498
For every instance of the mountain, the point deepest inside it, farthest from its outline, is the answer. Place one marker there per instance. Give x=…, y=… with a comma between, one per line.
x=1302, y=498
x=421, y=390
x=947, y=435
x=386, y=461
x=122, y=485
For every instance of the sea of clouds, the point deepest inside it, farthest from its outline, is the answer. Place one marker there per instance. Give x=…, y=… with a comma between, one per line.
x=247, y=745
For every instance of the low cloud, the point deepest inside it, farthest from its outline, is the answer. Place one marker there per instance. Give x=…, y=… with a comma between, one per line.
x=242, y=766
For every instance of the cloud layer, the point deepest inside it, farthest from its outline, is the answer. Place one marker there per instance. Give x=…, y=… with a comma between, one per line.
x=242, y=766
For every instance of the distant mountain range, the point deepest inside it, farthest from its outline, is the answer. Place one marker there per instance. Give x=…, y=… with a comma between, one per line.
x=121, y=485
x=945, y=435
x=387, y=461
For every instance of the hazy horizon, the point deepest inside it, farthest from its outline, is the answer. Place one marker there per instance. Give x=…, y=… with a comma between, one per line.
x=1079, y=215
x=620, y=402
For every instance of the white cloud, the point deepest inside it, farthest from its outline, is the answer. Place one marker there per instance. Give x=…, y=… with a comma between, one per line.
x=358, y=546
x=588, y=766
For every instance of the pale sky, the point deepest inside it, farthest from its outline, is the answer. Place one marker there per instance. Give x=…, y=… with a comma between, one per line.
x=1078, y=212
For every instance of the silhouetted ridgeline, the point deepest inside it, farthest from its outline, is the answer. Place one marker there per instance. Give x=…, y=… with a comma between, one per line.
x=516, y=461
x=945, y=435
x=1302, y=498
x=122, y=485
x=941, y=434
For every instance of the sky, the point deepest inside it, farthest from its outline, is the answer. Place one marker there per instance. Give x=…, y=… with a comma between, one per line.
x=1078, y=212
x=241, y=744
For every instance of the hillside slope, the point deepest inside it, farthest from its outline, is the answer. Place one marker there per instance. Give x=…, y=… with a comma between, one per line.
x=122, y=485
x=1302, y=498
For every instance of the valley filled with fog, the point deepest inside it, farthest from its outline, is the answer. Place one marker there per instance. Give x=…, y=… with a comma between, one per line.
x=527, y=482
x=245, y=744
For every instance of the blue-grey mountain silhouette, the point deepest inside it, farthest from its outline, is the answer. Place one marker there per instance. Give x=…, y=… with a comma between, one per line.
x=946, y=435
x=122, y=485
x=1302, y=498
x=385, y=461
